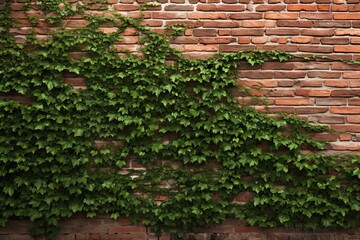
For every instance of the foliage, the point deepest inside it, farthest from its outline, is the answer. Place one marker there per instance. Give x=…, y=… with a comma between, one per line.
x=178, y=118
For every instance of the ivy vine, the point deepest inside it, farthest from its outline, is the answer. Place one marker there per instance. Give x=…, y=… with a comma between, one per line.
x=175, y=117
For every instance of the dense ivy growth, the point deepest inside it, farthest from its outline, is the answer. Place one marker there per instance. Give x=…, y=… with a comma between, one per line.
x=178, y=118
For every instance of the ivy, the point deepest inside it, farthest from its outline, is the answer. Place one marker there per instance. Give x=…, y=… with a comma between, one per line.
x=173, y=116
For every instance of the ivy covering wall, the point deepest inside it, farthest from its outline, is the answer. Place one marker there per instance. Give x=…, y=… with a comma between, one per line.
x=176, y=117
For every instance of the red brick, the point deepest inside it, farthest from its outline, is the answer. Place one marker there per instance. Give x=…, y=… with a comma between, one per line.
x=325, y=136
x=345, y=110
x=281, y=93
x=351, y=75
x=256, y=74
x=337, y=83
x=302, y=7
x=292, y=101
x=235, y=48
x=179, y=8
x=354, y=101
x=230, y=8
x=198, y=15
x=218, y=40
x=311, y=110
x=344, y=66
x=346, y=128
x=323, y=74
x=260, y=83
x=344, y=136
x=312, y=92
x=257, y=24
x=324, y=8
x=222, y=24
x=259, y=40
x=243, y=40
x=347, y=16
x=206, y=7
x=126, y=229
x=242, y=16
x=126, y=7
x=299, y=23
x=286, y=31
x=247, y=32
x=321, y=16
x=331, y=120
x=311, y=83
x=331, y=24
x=347, y=32
x=330, y=101
x=204, y=32
x=317, y=32
x=301, y=39
x=335, y=41
x=314, y=48
x=267, y=7
x=339, y=8
x=355, y=40
x=342, y=146
x=290, y=75
x=289, y=16
x=168, y=15
x=345, y=93
x=200, y=48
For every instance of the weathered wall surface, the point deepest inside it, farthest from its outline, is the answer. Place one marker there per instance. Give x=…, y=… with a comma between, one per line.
x=325, y=91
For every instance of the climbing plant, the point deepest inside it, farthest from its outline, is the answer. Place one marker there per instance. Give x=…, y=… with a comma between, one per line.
x=174, y=116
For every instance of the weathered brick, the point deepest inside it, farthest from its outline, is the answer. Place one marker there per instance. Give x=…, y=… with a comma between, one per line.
x=351, y=75
x=230, y=8
x=126, y=7
x=206, y=7
x=286, y=31
x=302, y=7
x=288, y=16
x=292, y=101
x=312, y=92
x=259, y=40
x=346, y=16
x=222, y=24
x=354, y=102
x=330, y=101
x=267, y=7
x=199, y=15
x=317, y=32
x=301, y=39
x=331, y=24
x=168, y=15
x=335, y=41
x=247, y=32
x=337, y=83
x=315, y=48
x=257, y=24
x=345, y=93
x=204, y=32
x=321, y=16
x=347, y=32
x=242, y=16
x=179, y=8
x=217, y=40
x=299, y=23
x=311, y=83
x=323, y=74
x=235, y=48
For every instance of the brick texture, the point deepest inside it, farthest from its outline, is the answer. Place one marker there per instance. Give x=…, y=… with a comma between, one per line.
x=325, y=91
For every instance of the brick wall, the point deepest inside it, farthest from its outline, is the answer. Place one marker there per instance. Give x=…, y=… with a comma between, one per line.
x=104, y=228
x=324, y=91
